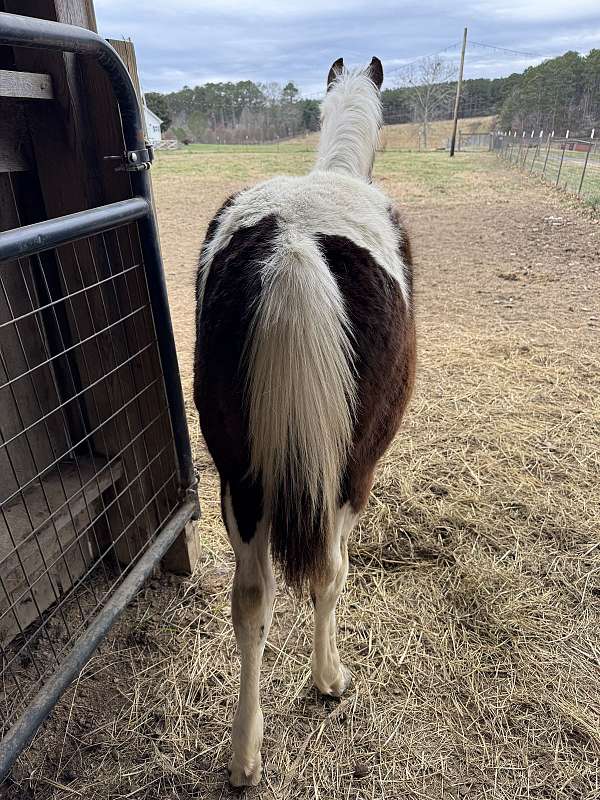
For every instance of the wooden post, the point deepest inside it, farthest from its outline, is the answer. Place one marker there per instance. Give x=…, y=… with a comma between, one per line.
x=184, y=552
x=126, y=50
x=458, y=88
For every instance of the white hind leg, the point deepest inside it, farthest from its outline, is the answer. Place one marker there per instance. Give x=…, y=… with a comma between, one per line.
x=251, y=612
x=329, y=674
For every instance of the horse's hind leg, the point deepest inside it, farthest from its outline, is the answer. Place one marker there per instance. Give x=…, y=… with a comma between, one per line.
x=251, y=612
x=329, y=675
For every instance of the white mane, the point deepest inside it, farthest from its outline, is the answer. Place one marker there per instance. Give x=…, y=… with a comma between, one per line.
x=351, y=117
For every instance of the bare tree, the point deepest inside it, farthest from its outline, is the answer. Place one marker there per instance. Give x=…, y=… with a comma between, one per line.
x=431, y=84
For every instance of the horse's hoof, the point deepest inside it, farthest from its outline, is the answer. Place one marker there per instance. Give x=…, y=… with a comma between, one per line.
x=245, y=774
x=337, y=686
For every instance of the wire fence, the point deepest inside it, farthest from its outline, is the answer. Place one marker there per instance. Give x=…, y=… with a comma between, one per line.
x=86, y=447
x=570, y=163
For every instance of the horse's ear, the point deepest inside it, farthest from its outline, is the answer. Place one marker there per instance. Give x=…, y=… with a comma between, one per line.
x=336, y=69
x=376, y=71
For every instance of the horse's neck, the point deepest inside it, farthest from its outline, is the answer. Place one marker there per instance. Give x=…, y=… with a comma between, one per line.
x=350, y=128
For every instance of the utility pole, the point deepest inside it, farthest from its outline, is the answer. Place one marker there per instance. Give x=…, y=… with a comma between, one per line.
x=458, y=88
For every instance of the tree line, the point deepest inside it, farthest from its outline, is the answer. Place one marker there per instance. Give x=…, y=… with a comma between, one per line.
x=559, y=94
x=235, y=113
x=480, y=97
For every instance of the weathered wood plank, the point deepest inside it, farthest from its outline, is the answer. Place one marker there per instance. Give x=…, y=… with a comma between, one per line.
x=23, y=346
x=26, y=85
x=15, y=151
x=44, y=564
x=126, y=50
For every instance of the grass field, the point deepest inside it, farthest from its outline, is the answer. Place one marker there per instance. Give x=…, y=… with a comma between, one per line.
x=423, y=175
x=471, y=619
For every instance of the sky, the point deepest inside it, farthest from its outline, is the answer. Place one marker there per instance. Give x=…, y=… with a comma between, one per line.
x=190, y=42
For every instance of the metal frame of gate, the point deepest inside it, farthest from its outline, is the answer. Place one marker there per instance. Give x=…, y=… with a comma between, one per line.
x=30, y=240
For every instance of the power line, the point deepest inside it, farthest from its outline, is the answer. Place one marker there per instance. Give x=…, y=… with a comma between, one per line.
x=453, y=46
x=456, y=46
x=505, y=49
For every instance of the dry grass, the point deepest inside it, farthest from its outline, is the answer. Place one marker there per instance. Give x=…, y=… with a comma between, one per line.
x=471, y=616
x=408, y=136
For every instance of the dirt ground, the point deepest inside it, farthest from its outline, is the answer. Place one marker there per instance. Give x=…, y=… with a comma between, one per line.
x=471, y=617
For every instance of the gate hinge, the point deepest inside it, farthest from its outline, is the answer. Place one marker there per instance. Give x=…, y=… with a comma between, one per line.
x=134, y=160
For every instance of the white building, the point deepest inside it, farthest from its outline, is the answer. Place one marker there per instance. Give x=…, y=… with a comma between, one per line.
x=153, y=123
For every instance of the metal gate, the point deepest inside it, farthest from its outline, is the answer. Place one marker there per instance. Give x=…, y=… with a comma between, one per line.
x=475, y=142
x=96, y=475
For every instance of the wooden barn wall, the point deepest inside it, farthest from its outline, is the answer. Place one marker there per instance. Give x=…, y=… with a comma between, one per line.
x=63, y=145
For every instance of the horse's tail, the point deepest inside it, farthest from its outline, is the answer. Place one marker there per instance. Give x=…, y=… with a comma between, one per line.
x=301, y=396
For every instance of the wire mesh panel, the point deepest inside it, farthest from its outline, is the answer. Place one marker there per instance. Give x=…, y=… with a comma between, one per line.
x=87, y=465
x=474, y=142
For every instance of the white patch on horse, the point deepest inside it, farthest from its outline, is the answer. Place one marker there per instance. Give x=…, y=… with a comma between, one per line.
x=329, y=674
x=322, y=202
x=335, y=198
x=351, y=118
x=251, y=611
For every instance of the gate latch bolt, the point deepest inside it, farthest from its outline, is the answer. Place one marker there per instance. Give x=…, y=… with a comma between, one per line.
x=134, y=160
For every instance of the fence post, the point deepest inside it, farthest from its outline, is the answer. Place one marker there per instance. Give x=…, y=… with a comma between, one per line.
x=547, y=154
x=585, y=163
x=562, y=158
x=537, y=148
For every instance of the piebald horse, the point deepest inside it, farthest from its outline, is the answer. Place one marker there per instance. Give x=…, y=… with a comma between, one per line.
x=304, y=364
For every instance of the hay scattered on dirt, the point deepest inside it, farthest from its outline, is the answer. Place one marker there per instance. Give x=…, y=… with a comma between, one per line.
x=471, y=616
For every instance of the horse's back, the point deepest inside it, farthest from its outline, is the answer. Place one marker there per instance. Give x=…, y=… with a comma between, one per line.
x=366, y=250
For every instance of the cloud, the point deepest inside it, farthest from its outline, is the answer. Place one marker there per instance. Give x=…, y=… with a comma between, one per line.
x=190, y=42
x=541, y=11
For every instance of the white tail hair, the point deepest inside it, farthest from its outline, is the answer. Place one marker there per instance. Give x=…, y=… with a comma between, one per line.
x=351, y=117
x=301, y=396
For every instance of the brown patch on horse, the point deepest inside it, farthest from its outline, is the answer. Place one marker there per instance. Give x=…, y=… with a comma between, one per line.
x=232, y=286
x=385, y=353
x=404, y=247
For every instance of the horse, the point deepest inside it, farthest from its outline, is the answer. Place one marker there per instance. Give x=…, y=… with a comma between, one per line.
x=303, y=368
